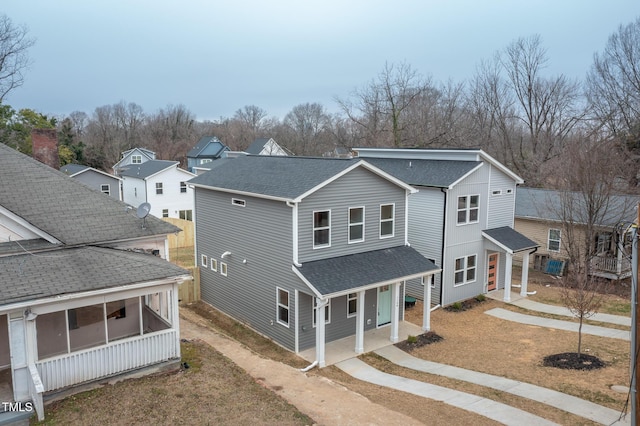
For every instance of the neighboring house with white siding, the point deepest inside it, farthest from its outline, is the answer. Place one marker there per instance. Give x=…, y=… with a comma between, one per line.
x=305, y=250
x=462, y=218
x=162, y=184
x=85, y=290
x=265, y=146
x=134, y=156
x=94, y=178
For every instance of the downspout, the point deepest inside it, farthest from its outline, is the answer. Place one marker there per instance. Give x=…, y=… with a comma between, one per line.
x=444, y=232
x=294, y=232
x=315, y=363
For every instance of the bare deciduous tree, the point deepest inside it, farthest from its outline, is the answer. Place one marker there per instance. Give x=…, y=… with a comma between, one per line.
x=14, y=44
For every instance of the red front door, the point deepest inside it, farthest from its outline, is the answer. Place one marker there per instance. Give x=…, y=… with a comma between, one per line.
x=492, y=273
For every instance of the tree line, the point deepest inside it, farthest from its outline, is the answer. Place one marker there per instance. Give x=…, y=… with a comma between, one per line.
x=531, y=121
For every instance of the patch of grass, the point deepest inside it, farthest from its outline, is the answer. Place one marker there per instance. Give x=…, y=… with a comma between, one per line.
x=182, y=256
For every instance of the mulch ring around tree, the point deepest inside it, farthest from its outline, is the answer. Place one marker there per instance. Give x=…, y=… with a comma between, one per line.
x=414, y=342
x=573, y=361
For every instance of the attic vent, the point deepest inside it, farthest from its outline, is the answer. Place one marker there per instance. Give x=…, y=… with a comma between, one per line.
x=238, y=202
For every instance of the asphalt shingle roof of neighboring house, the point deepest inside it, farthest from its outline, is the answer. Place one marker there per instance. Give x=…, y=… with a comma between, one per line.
x=64, y=208
x=510, y=239
x=146, y=169
x=75, y=270
x=546, y=204
x=435, y=173
x=256, y=146
x=203, y=143
x=72, y=169
x=340, y=274
x=273, y=176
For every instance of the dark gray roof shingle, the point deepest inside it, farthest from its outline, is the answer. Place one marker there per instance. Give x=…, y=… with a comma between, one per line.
x=339, y=274
x=274, y=176
x=73, y=270
x=436, y=173
x=72, y=169
x=256, y=146
x=146, y=169
x=511, y=239
x=546, y=204
x=65, y=208
x=205, y=141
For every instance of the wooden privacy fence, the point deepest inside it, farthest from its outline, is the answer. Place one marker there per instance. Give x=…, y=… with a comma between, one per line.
x=181, y=239
x=189, y=291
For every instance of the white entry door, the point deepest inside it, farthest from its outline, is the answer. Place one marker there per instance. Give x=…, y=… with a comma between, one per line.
x=384, y=305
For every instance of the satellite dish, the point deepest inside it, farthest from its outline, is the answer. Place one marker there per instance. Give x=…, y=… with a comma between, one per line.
x=143, y=210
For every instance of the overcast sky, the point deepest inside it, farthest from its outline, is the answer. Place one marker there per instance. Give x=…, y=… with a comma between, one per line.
x=216, y=56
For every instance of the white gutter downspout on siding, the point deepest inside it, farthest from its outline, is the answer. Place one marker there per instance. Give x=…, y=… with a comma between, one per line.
x=294, y=233
x=406, y=218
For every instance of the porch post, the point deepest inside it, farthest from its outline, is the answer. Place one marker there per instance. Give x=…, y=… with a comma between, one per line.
x=507, y=277
x=175, y=315
x=395, y=296
x=525, y=274
x=426, y=305
x=360, y=323
x=320, y=304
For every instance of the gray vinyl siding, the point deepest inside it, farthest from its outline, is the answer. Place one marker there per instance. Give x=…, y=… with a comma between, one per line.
x=95, y=180
x=501, y=207
x=426, y=215
x=454, y=293
x=261, y=234
x=340, y=326
x=357, y=188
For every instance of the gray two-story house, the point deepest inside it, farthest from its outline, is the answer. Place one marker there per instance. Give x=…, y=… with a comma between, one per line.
x=305, y=250
x=462, y=218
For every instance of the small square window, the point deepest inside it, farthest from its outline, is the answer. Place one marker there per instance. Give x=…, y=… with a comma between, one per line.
x=214, y=265
x=223, y=269
x=136, y=159
x=165, y=212
x=105, y=189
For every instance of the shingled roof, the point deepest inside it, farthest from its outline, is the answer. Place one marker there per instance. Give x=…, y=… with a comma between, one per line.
x=356, y=271
x=146, y=169
x=434, y=173
x=83, y=270
x=278, y=177
x=66, y=209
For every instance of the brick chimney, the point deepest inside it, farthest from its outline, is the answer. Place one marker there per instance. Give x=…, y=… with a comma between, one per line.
x=45, y=147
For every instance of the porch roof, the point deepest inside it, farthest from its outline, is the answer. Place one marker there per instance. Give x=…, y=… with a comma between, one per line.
x=509, y=239
x=75, y=270
x=340, y=275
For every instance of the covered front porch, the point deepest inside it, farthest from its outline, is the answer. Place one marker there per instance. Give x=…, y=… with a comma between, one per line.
x=343, y=349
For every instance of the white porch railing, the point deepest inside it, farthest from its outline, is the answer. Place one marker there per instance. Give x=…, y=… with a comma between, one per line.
x=610, y=264
x=36, y=389
x=114, y=358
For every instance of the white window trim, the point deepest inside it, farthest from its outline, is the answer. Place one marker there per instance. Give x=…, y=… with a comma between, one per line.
x=238, y=202
x=349, y=299
x=204, y=261
x=509, y=191
x=136, y=157
x=205, y=160
x=165, y=211
x=278, y=305
x=349, y=225
x=314, y=229
x=161, y=188
x=183, y=187
x=464, y=270
x=214, y=264
x=327, y=316
x=559, y=240
x=102, y=189
x=467, y=209
x=392, y=220
x=496, y=192
x=432, y=282
x=223, y=269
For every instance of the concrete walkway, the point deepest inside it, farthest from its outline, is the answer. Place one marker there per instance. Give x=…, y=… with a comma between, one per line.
x=568, y=403
x=563, y=311
x=486, y=407
x=559, y=324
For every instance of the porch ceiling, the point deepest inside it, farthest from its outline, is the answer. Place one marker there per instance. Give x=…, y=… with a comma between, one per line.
x=338, y=275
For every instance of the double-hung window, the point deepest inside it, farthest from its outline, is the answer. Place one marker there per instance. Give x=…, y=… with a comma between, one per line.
x=159, y=188
x=183, y=187
x=322, y=229
x=465, y=269
x=352, y=304
x=356, y=224
x=468, y=209
x=283, y=306
x=105, y=188
x=386, y=220
x=553, y=243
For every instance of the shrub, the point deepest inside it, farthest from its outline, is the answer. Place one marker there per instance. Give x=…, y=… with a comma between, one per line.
x=457, y=306
x=412, y=339
x=481, y=298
